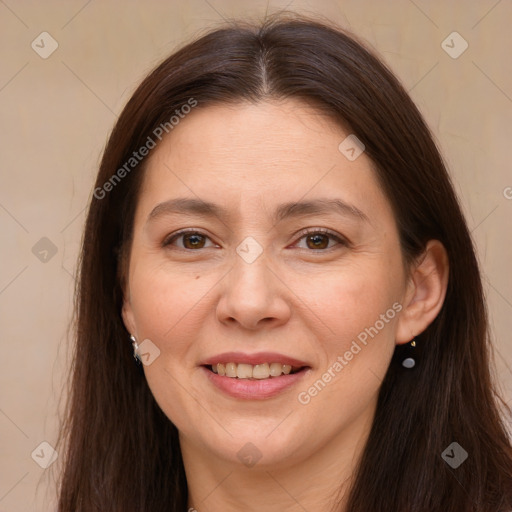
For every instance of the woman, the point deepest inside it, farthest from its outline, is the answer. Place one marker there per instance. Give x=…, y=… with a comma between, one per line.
x=274, y=237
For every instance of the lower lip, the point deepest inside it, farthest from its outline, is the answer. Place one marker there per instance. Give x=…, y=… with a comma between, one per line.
x=256, y=389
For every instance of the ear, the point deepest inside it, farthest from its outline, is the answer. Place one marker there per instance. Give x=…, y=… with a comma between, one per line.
x=122, y=275
x=127, y=314
x=426, y=290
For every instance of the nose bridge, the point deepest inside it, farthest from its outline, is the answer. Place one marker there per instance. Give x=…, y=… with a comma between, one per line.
x=251, y=277
x=252, y=291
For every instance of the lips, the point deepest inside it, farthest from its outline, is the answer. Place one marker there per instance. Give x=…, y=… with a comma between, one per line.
x=254, y=389
x=253, y=359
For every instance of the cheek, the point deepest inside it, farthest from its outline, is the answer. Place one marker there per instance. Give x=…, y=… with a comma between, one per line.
x=358, y=308
x=169, y=309
x=164, y=301
x=349, y=300
x=360, y=312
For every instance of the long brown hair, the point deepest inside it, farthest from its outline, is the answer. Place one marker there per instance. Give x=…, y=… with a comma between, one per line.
x=122, y=453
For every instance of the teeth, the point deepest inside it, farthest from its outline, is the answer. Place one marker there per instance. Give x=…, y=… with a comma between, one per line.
x=276, y=369
x=249, y=371
x=244, y=371
x=262, y=371
x=231, y=370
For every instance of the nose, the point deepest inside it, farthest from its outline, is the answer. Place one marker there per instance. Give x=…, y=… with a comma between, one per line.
x=254, y=296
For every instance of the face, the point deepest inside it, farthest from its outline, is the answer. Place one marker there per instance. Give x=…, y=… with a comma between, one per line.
x=297, y=255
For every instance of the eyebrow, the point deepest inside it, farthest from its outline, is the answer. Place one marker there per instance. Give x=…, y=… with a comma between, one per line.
x=283, y=211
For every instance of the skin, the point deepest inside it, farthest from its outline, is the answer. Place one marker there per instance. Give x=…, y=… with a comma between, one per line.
x=295, y=299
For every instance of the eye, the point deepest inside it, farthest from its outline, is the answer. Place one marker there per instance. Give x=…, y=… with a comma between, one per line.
x=191, y=239
x=318, y=239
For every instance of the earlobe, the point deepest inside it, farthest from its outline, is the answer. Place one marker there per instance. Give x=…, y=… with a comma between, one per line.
x=426, y=292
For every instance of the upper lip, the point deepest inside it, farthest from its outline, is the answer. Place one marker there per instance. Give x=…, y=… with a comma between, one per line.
x=256, y=358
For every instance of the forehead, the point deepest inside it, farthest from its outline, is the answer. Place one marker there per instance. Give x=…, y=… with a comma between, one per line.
x=284, y=129
x=257, y=154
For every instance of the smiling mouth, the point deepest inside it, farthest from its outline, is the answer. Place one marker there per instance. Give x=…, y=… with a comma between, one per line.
x=254, y=372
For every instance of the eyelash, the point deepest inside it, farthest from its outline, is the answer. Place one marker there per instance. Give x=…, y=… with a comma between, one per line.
x=302, y=234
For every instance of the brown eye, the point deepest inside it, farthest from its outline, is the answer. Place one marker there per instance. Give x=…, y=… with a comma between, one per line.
x=193, y=241
x=190, y=240
x=319, y=239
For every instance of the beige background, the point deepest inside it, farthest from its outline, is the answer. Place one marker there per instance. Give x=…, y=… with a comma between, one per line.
x=57, y=112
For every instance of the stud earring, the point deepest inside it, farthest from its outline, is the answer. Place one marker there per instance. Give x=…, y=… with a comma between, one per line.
x=409, y=362
x=135, y=349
